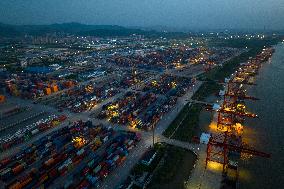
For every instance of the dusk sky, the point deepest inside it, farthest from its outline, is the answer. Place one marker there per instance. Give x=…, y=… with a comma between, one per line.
x=191, y=14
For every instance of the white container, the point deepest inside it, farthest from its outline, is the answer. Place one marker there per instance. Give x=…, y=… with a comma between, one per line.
x=35, y=131
x=80, y=152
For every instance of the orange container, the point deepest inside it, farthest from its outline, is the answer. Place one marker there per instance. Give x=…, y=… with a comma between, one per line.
x=47, y=91
x=2, y=98
x=54, y=88
x=16, y=170
x=17, y=185
x=62, y=117
x=69, y=84
x=49, y=162
x=26, y=181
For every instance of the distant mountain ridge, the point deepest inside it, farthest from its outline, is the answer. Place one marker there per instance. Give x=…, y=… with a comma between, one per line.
x=7, y=30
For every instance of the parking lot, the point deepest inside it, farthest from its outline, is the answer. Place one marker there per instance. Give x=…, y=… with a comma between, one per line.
x=21, y=122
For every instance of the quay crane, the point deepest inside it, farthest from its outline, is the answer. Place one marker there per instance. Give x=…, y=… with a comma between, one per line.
x=219, y=147
x=232, y=110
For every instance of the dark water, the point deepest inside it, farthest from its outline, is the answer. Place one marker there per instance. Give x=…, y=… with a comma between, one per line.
x=267, y=132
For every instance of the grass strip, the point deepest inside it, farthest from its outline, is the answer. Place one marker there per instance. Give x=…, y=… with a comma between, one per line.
x=189, y=125
x=174, y=170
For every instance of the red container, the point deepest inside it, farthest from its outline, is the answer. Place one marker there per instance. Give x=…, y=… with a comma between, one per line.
x=17, y=169
x=53, y=173
x=63, y=171
x=5, y=162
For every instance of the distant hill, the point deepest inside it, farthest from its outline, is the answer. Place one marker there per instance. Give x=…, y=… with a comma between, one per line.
x=8, y=30
x=75, y=28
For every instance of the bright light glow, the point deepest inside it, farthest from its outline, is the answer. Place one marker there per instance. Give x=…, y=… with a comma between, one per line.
x=79, y=142
x=214, y=166
x=213, y=127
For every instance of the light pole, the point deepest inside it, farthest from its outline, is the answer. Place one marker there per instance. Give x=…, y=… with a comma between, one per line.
x=153, y=130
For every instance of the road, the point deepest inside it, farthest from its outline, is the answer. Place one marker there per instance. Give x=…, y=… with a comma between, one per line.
x=201, y=177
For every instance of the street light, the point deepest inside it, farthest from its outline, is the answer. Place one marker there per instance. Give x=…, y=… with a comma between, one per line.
x=153, y=130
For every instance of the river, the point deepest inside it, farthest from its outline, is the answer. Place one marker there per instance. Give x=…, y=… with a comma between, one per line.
x=267, y=132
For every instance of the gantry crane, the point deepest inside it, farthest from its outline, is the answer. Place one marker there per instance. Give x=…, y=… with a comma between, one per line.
x=233, y=109
x=219, y=147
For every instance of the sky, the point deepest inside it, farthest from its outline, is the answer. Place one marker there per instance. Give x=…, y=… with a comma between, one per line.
x=189, y=14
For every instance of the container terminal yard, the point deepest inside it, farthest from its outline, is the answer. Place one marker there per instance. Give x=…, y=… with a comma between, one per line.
x=93, y=113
